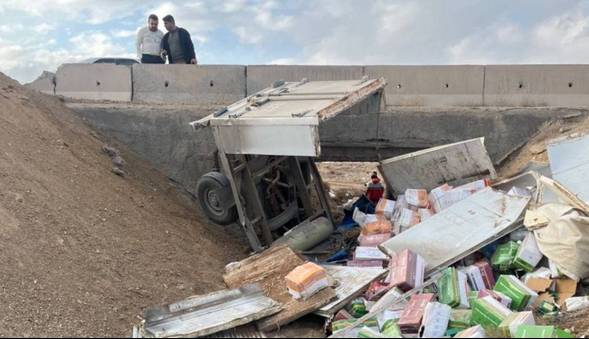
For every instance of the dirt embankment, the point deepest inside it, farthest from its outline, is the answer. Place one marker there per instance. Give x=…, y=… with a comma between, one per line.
x=83, y=251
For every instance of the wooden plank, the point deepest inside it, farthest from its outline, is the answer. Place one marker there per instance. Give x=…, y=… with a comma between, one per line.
x=269, y=270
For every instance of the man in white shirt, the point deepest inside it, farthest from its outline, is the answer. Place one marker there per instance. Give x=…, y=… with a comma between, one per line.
x=149, y=42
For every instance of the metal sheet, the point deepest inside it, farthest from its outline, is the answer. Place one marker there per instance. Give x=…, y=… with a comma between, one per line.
x=569, y=161
x=284, y=120
x=352, y=281
x=427, y=169
x=270, y=139
x=461, y=229
x=212, y=313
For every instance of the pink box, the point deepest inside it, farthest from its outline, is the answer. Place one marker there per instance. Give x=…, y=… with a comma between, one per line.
x=412, y=316
x=487, y=273
x=407, y=271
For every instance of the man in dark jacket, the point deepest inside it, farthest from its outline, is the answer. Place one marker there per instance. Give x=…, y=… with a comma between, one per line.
x=177, y=44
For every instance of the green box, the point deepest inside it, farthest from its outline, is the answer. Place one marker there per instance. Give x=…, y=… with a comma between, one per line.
x=519, y=293
x=489, y=313
x=527, y=331
x=448, y=291
x=504, y=256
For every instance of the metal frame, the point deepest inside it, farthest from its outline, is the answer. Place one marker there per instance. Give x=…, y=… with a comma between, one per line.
x=244, y=136
x=252, y=215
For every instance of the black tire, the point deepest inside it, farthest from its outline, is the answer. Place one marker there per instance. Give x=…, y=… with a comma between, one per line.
x=207, y=189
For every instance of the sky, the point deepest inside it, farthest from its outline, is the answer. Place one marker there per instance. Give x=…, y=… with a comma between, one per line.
x=37, y=35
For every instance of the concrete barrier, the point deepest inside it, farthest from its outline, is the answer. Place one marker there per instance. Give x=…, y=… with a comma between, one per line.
x=431, y=85
x=94, y=82
x=262, y=76
x=188, y=84
x=537, y=85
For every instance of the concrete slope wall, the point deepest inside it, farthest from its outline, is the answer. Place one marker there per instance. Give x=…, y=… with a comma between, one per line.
x=94, y=82
x=188, y=84
x=159, y=134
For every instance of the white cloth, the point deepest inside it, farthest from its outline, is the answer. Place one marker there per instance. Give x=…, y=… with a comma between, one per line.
x=149, y=42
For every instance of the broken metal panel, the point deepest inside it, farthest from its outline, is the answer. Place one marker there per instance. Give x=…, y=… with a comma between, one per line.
x=461, y=229
x=284, y=120
x=427, y=169
x=569, y=161
x=352, y=281
x=212, y=313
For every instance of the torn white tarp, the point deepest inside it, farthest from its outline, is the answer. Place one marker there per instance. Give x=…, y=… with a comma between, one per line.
x=208, y=314
x=351, y=282
x=569, y=161
x=454, y=164
x=461, y=229
x=565, y=240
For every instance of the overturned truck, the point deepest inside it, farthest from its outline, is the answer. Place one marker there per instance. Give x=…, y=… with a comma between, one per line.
x=267, y=145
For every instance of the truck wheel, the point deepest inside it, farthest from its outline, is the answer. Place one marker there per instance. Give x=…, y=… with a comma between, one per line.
x=216, y=199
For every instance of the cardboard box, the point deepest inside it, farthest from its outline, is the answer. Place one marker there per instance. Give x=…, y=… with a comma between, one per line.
x=373, y=240
x=473, y=332
x=539, y=285
x=365, y=263
x=417, y=198
x=412, y=316
x=487, y=273
x=385, y=208
x=504, y=256
x=528, y=255
x=407, y=271
x=435, y=320
x=489, y=313
x=475, y=278
x=500, y=297
x=528, y=331
x=369, y=253
x=565, y=288
x=453, y=289
x=508, y=328
x=460, y=319
x=306, y=280
x=380, y=226
x=521, y=295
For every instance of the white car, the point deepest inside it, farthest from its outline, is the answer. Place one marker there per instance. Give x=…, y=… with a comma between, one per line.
x=107, y=60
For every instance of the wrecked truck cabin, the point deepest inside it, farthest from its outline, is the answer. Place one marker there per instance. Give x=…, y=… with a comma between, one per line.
x=267, y=145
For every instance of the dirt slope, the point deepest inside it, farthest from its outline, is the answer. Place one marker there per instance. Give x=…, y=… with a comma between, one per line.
x=83, y=251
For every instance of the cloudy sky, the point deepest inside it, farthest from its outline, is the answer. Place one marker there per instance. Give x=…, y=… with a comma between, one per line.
x=37, y=35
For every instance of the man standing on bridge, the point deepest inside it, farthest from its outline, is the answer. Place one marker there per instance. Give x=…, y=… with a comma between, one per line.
x=177, y=44
x=149, y=42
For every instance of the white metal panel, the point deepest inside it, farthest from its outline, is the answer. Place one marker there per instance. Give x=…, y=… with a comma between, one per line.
x=432, y=167
x=275, y=121
x=208, y=314
x=460, y=229
x=270, y=137
x=569, y=161
x=352, y=281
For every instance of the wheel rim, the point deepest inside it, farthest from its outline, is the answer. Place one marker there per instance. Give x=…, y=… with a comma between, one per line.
x=213, y=203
